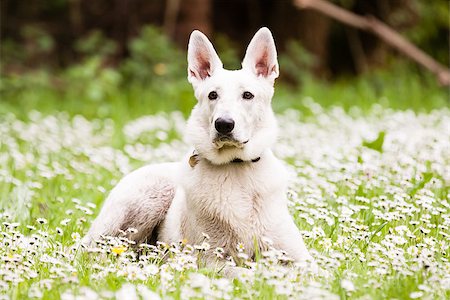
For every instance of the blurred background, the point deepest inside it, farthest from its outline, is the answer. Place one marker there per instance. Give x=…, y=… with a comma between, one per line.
x=97, y=57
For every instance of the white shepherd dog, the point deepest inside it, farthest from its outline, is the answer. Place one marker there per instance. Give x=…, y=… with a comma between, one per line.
x=232, y=188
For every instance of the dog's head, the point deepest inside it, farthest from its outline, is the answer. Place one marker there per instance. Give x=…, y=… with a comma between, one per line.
x=233, y=118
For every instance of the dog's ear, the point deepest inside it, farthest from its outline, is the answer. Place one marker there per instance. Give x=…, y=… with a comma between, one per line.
x=202, y=58
x=261, y=55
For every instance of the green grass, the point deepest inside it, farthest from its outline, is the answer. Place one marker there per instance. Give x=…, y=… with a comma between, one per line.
x=370, y=192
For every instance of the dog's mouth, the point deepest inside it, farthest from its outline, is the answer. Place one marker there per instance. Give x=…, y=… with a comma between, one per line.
x=228, y=141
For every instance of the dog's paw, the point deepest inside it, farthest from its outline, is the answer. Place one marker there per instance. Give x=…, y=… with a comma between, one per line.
x=309, y=266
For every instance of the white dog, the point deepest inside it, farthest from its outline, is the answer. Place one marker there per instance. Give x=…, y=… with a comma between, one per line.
x=232, y=188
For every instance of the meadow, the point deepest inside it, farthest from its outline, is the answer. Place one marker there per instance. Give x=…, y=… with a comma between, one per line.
x=370, y=170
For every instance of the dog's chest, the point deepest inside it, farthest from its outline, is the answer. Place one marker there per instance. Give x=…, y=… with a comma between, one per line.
x=230, y=204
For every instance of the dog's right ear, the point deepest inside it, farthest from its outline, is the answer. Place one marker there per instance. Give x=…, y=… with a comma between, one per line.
x=203, y=60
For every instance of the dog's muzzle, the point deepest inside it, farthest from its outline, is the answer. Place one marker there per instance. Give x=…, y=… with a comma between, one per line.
x=224, y=133
x=227, y=141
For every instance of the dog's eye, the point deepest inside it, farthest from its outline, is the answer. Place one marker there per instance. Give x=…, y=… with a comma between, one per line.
x=247, y=95
x=212, y=95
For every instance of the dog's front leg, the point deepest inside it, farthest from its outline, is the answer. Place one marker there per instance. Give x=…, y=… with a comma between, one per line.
x=287, y=237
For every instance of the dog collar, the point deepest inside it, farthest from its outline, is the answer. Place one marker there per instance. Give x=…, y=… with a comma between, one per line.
x=238, y=160
x=195, y=158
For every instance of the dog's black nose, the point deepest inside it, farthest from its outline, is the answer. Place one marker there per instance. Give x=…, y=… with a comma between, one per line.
x=224, y=125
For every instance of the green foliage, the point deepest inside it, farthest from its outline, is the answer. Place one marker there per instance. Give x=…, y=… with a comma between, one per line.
x=35, y=45
x=433, y=28
x=96, y=44
x=296, y=63
x=12, y=85
x=227, y=52
x=376, y=144
x=40, y=39
x=91, y=80
x=400, y=87
x=154, y=59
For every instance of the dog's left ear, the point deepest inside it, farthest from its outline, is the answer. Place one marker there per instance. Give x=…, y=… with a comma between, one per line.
x=261, y=55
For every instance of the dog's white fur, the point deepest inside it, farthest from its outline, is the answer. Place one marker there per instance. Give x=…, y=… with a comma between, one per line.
x=232, y=202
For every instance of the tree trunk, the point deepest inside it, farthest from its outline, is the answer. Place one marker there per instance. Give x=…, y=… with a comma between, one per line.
x=193, y=14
